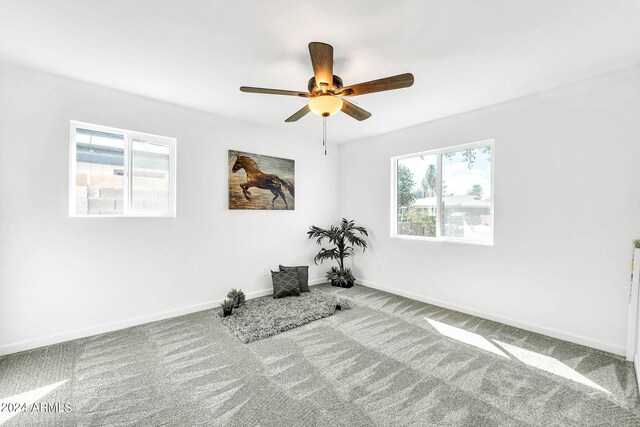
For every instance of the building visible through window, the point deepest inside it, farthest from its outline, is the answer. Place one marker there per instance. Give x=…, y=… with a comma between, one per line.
x=121, y=173
x=444, y=194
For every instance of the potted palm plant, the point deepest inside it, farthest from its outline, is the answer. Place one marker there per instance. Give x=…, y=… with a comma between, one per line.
x=345, y=238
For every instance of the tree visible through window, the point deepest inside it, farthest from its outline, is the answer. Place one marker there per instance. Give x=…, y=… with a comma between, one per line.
x=445, y=194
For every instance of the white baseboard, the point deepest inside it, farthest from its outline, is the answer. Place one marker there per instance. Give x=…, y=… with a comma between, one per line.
x=636, y=365
x=123, y=324
x=554, y=333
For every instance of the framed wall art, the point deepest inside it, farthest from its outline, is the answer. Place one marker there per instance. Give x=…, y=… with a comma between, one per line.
x=261, y=182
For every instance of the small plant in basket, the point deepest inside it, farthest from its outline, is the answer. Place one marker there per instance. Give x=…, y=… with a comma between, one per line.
x=237, y=296
x=227, y=307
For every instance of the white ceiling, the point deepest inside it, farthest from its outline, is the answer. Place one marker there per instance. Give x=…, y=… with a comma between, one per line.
x=464, y=54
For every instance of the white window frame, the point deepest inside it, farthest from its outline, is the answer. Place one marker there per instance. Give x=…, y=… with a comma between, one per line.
x=128, y=137
x=439, y=152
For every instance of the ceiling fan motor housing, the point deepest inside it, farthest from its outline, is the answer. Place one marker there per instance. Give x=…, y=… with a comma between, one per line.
x=314, y=89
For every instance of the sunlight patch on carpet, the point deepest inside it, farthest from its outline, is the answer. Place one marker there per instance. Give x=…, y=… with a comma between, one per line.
x=27, y=398
x=466, y=337
x=549, y=364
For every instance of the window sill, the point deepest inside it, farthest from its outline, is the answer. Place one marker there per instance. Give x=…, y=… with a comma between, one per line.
x=167, y=215
x=442, y=240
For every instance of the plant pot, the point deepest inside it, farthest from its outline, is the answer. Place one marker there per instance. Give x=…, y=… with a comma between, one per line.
x=227, y=312
x=342, y=283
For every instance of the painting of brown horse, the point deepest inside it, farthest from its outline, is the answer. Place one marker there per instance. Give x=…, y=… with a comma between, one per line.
x=260, y=182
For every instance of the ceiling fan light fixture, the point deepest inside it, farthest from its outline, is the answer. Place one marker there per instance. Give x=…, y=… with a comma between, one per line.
x=325, y=105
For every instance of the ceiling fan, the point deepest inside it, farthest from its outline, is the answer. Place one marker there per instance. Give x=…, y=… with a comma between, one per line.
x=326, y=91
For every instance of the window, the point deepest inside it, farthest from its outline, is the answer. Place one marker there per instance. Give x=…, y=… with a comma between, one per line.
x=116, y=172
x=444, y=194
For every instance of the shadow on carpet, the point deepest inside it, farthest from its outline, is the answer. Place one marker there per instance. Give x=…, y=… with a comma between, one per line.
x=264, y=317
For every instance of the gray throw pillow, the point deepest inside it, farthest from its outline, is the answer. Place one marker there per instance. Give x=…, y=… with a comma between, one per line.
x=285, y=283
x=303, y=276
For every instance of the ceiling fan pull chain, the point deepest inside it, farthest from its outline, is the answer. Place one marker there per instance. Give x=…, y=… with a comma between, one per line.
x=324, y=134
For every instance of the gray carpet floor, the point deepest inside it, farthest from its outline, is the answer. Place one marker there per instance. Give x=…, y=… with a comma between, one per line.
x=387, y=361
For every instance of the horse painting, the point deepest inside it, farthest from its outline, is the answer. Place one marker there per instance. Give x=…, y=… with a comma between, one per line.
x=277, y=185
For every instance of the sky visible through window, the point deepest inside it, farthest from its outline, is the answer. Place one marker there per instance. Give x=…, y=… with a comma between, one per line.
x=457, y=176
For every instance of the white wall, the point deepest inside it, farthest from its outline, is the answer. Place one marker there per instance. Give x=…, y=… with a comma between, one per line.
x=63, y=277
x=567, y=207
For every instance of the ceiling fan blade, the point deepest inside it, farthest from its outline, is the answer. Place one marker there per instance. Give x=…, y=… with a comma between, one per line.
x=354, y=111
x=322, y=61
x=249, y=89
x=298, y=114
x=387, y=83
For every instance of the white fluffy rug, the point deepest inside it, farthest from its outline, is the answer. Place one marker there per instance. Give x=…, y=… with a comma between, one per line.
x=264, y=317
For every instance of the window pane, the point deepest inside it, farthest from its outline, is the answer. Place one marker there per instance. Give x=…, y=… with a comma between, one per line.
x=466, y=194
x=99, y=172
x=150, y=177
x=417, y=197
